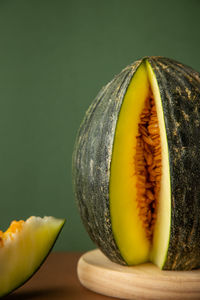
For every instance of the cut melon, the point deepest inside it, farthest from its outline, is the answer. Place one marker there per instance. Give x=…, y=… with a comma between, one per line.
x=24, y=247
x=136, y=166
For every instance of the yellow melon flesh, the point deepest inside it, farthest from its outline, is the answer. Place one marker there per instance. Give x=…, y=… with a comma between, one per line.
x=162, y=229
x=127, y=226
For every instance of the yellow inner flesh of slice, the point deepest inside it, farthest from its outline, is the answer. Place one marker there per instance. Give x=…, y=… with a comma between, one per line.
x=139, y=236
x=24, y=252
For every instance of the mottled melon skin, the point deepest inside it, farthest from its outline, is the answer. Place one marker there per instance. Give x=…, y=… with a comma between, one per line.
x=92, y=159
x=180, y=93
x=179, y=88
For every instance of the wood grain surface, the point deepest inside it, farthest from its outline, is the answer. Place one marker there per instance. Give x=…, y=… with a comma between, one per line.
x=143, y=282
x=56, y=280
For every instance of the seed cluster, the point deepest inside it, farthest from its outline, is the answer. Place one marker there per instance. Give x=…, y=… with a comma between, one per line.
x=148, y=166
x=14, y=227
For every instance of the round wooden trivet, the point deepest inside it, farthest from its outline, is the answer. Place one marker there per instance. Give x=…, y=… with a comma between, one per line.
x=144, y=282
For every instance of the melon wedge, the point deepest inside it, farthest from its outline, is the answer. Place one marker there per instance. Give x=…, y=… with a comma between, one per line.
x=24, y=247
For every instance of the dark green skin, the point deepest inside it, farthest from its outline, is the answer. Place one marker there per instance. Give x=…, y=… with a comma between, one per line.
x=92, y=159
x=179, y=88
x=180, y=93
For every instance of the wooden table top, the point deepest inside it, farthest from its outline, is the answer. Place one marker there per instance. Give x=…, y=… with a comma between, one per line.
x=56, y=280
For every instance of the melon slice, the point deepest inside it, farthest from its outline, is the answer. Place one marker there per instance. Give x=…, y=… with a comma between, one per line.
x=24, y=247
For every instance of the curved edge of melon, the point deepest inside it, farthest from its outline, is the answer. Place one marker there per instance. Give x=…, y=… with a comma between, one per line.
x=21, y=280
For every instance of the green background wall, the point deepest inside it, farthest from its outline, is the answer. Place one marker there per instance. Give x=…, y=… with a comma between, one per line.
x=54, y=58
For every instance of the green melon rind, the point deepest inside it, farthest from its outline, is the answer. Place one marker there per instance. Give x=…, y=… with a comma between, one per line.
x=180, y=94
x=92, y=162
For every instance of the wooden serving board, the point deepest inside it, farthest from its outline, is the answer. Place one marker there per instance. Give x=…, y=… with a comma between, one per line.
x=97, y=273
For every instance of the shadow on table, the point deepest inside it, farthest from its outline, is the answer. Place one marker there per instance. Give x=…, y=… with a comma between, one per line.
x=50, y=293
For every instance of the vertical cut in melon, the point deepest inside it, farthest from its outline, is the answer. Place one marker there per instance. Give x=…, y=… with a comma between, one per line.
x=139, y=181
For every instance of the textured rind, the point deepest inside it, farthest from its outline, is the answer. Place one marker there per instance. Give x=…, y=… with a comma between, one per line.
x=179, y=87
x=91, y=162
